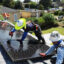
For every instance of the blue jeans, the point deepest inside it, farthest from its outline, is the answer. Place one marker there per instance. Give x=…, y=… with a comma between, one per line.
x=23, y=36
x=60, y=55
x=50, y=50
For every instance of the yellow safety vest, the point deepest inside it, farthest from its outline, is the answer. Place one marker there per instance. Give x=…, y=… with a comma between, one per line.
x=20, y=27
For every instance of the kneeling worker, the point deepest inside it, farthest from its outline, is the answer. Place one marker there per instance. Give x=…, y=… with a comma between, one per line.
x=57, y=43
x=27, y=26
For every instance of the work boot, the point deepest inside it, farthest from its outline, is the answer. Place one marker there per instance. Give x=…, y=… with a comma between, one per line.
x=9, y=42
x=43, y=41
x=21, y=43
x=20, y=47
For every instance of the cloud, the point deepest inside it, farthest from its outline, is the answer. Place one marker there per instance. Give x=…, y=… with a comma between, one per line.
x=31, y=0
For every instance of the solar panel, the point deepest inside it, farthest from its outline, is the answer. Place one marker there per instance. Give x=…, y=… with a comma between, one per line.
x=31, y=48
x=28, y=51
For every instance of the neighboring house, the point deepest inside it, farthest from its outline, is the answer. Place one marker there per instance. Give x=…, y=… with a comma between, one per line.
x=13, y=12
x=56, y=0
x=10, y=11
x=56, y=3
x=34, y=12
x=19, y=13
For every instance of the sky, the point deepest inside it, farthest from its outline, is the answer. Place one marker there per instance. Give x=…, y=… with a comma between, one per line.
x=31, y=0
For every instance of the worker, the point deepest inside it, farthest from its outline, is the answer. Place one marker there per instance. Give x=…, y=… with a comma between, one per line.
x=27, y=26
x=57, y=43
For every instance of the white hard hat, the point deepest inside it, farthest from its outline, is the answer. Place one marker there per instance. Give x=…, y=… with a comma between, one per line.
x=55, y=36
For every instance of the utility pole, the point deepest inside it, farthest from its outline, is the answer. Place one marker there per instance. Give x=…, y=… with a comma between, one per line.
x=37, y=14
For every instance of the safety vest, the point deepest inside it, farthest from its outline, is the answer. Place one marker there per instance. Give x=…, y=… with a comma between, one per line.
x=23, y=24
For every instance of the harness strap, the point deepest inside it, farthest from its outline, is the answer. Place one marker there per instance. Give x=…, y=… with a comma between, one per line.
x=56, y=45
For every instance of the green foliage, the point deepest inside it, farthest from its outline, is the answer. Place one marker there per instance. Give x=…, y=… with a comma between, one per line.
x=8, y=3
x=63, y=9
x=61, y=13
x=59, y=29
x=18, y=5
x=62, y=1
x=45, y=22
x=32, y=18
x=40, y=21
x=27, y=1
x=1, y=1
x=32, y=4
x=56, y=12
x=40, y=7
x=46, y=3
x=42, y=13
x=63, y=22
x=49, y=20
x=1, y=17
x=12, y=4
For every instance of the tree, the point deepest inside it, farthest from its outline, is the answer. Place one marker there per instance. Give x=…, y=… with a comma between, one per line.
x=8, y=3
x=26, y=1
x=45, y=3
x=1, y=1
x=40, y=7
x=33, y=4
x=49, y=20
x=18, y=5
x=12, y=4
x=63, y=1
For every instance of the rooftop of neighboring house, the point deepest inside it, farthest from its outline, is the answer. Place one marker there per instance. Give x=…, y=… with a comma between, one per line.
x=57, y=0
x=6, y=9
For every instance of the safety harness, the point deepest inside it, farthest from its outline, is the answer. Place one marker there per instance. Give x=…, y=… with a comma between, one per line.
x=57, y=45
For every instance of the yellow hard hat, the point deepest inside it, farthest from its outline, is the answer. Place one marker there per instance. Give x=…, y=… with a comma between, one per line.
x=20, y=24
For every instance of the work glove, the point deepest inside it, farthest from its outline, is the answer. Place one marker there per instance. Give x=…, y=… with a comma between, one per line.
x=43, y=54
x=11, y=34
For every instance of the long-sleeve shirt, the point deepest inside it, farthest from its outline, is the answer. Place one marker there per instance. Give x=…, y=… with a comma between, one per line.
x=52, y=48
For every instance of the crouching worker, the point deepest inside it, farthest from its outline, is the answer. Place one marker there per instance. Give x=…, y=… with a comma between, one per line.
x=57, y=43
x=27, y=26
